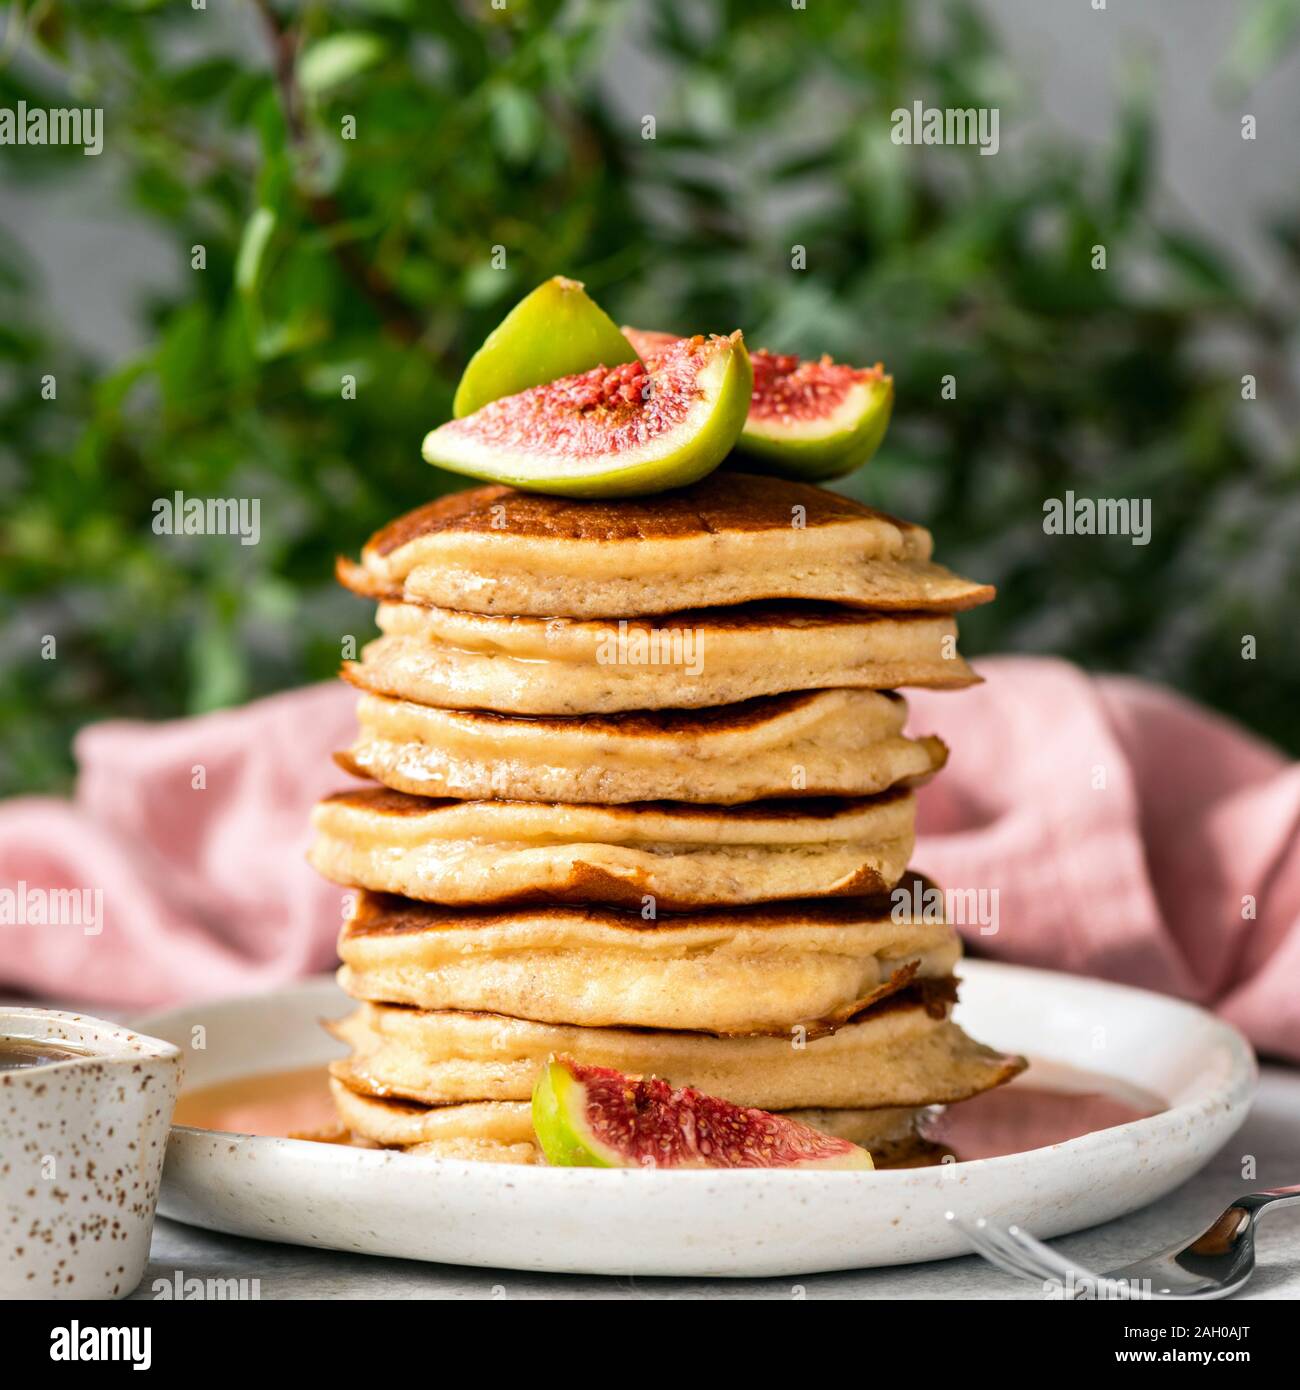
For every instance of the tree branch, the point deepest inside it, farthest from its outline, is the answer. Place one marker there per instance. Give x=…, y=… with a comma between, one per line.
x=402, y=321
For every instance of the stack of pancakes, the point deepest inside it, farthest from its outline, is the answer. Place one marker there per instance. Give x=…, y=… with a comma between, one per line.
x=644, y=798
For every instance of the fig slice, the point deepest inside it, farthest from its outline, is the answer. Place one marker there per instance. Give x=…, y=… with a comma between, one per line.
x=609, y=432
x=807, y=420
x=595, y=1117
x=555, y=331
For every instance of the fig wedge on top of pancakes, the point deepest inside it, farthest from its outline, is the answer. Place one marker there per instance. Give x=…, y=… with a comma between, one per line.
x=620, y=431
x=555, y=331
x=812, y=419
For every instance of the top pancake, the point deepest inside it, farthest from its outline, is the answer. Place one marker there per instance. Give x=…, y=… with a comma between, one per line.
x=731, y=538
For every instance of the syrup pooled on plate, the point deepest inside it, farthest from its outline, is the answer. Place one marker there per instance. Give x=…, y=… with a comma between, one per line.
x=1048, y=1104
x=1058, y=1103
x=282, y=1104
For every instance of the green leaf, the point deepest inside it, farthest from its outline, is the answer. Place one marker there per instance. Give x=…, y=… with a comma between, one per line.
x=258, y=231
x=517, y=126
x=1199, y=263
x=218, y=666
x=1264, y=37
x=1133, y=160
x=337, y=58
x=184, y=370
x=49, y=29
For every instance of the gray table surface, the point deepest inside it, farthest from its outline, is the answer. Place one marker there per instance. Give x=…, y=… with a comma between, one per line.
x=1271, y=1137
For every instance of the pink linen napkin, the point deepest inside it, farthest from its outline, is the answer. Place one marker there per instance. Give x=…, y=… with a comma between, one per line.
x=1130, y=834
x=1115, y=830
x=193, y=832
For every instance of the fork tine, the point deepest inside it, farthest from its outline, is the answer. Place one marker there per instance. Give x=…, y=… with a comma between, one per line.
x=1051, y=1264
x=982, y=1237
x=1017, y=1256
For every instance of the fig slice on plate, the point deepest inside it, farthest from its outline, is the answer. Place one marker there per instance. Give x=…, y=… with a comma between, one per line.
x=807, y=420
x=595, y=1117
x=609, y=432
x=555, y=331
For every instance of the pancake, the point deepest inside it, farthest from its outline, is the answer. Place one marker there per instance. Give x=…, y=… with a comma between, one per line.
x=768, y=968
x=823, y=743
x=899, y=1053
x=451, y=660
x=731, y=538
x=485, y=1131
x=675, y=854
x=502, y=1131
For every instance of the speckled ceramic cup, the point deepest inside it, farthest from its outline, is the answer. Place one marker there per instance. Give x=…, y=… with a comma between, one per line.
x=81, y=1152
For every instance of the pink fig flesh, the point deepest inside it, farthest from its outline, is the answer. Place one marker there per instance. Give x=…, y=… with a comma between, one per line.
x=597, y=1117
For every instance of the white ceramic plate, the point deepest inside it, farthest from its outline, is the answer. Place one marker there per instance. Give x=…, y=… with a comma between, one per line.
x=748, y=1222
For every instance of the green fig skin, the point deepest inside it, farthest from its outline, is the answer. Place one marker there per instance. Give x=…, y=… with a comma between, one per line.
x=557, y=1104
x=696, y=456
x=818, y=460
x=555, y=331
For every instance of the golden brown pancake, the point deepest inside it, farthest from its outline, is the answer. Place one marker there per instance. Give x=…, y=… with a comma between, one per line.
x=674, y=854
x=900, y=1052
x=820, y=743
x=451, y=660
x=731, y=538
x=483, y=1131
x=615, y=725
x=770, y=968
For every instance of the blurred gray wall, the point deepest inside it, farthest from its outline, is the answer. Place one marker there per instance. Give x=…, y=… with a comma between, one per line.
x=1075, y=57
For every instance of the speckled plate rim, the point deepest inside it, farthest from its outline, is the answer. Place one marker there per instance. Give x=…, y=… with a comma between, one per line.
x=732, y=1224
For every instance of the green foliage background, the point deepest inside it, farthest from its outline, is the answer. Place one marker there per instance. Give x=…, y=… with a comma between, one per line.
x=478, y=127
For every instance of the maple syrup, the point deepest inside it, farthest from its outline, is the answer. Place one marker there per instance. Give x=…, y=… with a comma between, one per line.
x=17, y=1054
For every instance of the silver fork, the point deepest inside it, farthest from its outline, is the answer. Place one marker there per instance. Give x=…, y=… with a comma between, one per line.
x=1213, y=1265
